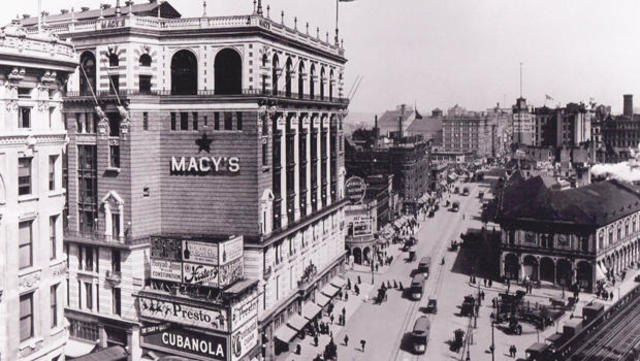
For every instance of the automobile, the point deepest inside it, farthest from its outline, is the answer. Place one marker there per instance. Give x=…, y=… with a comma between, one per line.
x=456, y=190
x=467, y=306
x=465, y=191
x=432, y=306
x=481, y=195
x=455, y=207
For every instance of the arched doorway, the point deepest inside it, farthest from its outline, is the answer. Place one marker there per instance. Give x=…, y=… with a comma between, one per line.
x=357, y=255
x=274, y=76
x=312, y=80
x=87, y=73
x=511, y=266
x=228, y=72
x=585, y=275
x=564, y=272
x=184, y=73
x=367, y=255
x=547, y=270
x=530, y=266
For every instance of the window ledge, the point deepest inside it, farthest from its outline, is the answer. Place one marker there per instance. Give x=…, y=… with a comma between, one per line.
x=31, y=343
x=56, y=330
x=57, y=193
x=27, y=198
x=113, y=170
x=265, y=168
x=87, y=273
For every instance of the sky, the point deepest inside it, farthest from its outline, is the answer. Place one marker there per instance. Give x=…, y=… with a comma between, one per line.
x=438, y=53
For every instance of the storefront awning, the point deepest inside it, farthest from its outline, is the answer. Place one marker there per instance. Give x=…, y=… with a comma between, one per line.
x=329, y=290
x=113, y=353
x=322, y=300
x=285, y=333
x=310, y=310
x=76, y=348
x=297, y=322
x=338, y=282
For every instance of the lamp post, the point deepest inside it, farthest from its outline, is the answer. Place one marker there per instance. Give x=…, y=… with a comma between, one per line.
x=493, y=346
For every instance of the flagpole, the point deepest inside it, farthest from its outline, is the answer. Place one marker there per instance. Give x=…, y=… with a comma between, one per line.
x=337, y=11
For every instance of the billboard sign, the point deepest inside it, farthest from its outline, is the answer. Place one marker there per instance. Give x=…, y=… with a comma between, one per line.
x=243, y=311
x=166, y=270
x=231, y=250
x=200, y=274
x=245, y=339
x=188, y=344
x=231, y=272
x=355, y=189
x=179, y=312
x=169, y=249
x=200, y=252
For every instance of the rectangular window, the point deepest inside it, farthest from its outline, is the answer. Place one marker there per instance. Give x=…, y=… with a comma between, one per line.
x=79, y=295
x=52, y=172
x=53, y=299
x=114, y=124
x=24, y=93
x=115, y=260
x=24, y=176
x=145, y=84
x=265, y=159
x=216, y=121
x=195, y=120
x=228, y=121
x=239, y=120
x=115, y=225
x=114, y=156
x=173, y=121
x=50, y=117
x=88, y=287
x=53, y=220
x=88, y=258
x=24, y=117
x=25, y=242
x=98, y=298
x=115, y=297
x=114, y=86
x=145, y=121
x=184, y=121
x=26, y=317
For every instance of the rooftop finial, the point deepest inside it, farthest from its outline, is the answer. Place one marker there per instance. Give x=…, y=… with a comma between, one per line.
x=295, y=23
x=118, y=11
x=259, y=11
x=317, y=32
x=268, y=10
x=307, y=28
x=282, y=17
x=204, y=8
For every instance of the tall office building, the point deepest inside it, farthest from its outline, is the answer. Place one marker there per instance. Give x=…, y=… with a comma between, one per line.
x=33, y=70
x=187, y=134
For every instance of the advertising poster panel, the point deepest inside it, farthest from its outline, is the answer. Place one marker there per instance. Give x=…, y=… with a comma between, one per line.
x=243, y=340
x=188, y=343
x=243, y=311
x=231, y=272
x=200, y=274
x=200, y=252
x=168, y=249
x=231, y=250
x=166, y=270
x=179, y=312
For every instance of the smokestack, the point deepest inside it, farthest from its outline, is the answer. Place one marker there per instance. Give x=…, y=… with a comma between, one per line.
x=628, y=105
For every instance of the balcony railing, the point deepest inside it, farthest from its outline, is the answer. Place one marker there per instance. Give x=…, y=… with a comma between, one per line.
x=94, y=237
x=244, y=93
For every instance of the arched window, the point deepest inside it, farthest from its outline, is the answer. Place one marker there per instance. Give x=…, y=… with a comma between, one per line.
x=265, y=59
x=274, y=77
x=331, y=85
x=114, y=60
x=322, y=77
x=184, y=73
x=312, y=75
x=228, y=72
x=87, y=73
x=145, y=60
x=288, y=77
x=300, y=80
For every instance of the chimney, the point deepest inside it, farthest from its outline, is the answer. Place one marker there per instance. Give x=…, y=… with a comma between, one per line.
x=628, y=105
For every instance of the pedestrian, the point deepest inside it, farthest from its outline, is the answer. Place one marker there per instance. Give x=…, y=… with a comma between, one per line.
x=359, y=280
x=346, y=340
x=611, y=295
x=400, y=285
x=490, y=282
x=315, y=340
x=363, y=343
x=344, y=311
x=388, y=284
x=331, y=318
x=357, y=289
x=346, y=296
x=376, y=267
x=348, y=283
x=485, y=282
x=395, y=284
x=515, y=351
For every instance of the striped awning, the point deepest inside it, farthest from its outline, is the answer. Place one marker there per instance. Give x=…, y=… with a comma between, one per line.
x=338, y=282
x=329, y=290
x=322, y=300
x=285, y=333
x=297, y=322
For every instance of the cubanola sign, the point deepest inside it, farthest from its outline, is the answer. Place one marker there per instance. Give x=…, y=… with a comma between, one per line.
x=355, y=189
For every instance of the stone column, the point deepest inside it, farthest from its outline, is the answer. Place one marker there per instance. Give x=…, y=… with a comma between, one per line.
x=307, y=126
x=327, y=125
x=296, y=169
x=555, y=271
x=283, y=170
x=538, y=274
x=318, y=167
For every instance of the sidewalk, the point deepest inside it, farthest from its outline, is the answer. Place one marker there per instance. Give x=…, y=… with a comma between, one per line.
x=309, y=350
